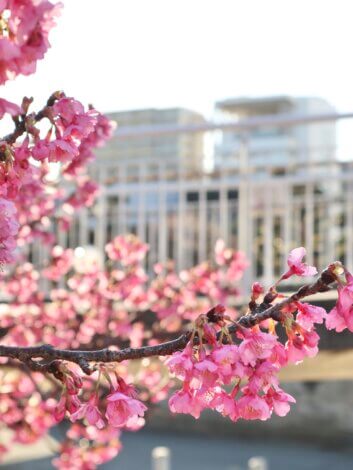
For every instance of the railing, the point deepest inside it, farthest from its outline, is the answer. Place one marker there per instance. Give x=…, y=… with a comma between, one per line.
x=260, y=205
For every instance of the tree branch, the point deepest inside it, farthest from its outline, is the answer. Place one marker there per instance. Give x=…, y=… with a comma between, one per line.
x=21, y=124
x=47, y=353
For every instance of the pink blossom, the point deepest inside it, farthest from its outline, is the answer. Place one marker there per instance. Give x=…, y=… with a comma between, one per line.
x=263, y=376
x=26, y=38
x=181, y=363
x=89, y=411
x=225, y=404
x=234, y=261
x=67, y=108
x=205, y=373
x=3, y=450
x=85, y=194
x=341, y=316
x=6, y=107
x=209, y=333
x=252, y=406
x=229, y=365
x=123, y=410
x=70, y=403
x=279, y=401
x=185, y=401
x=73, y=382
x=256, y=290
x=223, y=255
x=41, y=150
x=296, y=265
x=255, y=345
x=71, y=120
x=102, y=131
x=58, y=150
x=81, y=126
x=62, y=150
x=8, y=230
x=336, y=321
x=309, y=314
x=279, y=355
x=301, y=343
x=60, y=265
x=127, y=249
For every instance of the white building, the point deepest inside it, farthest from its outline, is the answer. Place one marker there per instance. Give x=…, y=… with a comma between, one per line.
x=175, y=150
x=275, y=148
x=275, y=193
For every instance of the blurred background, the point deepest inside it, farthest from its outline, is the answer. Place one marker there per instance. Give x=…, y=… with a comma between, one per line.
x=235, y=121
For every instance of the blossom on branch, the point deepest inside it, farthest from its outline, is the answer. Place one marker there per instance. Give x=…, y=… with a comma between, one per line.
x=24, y=31
x=8, y=230
x=341, y=316
x=296, y=265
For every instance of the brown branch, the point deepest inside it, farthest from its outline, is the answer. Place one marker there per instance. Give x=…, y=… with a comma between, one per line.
x=320, y=285
x=21, y=122
x=83, y=358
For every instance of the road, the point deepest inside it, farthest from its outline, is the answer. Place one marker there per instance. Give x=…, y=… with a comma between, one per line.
x=198, y=453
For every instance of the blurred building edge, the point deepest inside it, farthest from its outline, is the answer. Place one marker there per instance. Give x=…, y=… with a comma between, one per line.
x=186, y=150
x=275, y=147
x=265, y=178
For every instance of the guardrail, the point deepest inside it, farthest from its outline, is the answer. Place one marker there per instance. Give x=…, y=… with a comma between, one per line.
x=259, y=204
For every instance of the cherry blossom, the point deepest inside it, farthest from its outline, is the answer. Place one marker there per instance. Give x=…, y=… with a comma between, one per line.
x=6, y=107
x=256, y=345
x=341, y=316
x=181, y=363
x=252, y=406
x=279, y=401
x=61, y=263
x=296, y=265
x=8, y=230
x=309, y=314
x=301, y=343
x=123, y=410
x=24, y=35
x=90, y=412
x=128, y=250
x=186, y=401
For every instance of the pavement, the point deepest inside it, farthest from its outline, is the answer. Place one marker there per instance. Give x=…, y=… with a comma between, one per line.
x=191, y=452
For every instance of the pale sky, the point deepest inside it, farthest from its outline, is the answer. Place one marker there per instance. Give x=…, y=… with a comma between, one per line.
x=122, y=54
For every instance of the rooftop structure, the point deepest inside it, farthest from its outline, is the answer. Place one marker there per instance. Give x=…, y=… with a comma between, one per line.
x=275, y=147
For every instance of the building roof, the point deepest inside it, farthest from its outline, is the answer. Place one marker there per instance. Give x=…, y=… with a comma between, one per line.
x=154, y=111
x=257, y=105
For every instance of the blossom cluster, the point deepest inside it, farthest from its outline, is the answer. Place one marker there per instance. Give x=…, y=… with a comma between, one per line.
x=341, y=316
x=8, y=230
x=24, y=30
x=123, y=409
x=25, y=167
x=235, y=375
x=238, y=381
x=67, y=135
x=90, y=309
x=241, y=380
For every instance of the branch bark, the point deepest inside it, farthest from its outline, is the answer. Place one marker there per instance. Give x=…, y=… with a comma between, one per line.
x=51, y=356
x=20, y=123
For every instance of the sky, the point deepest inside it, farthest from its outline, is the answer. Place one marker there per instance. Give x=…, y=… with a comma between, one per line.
x=128, y=54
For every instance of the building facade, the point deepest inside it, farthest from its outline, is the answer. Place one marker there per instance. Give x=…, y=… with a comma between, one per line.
x=174, y=149
x=275, y=148
x=263, y=209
